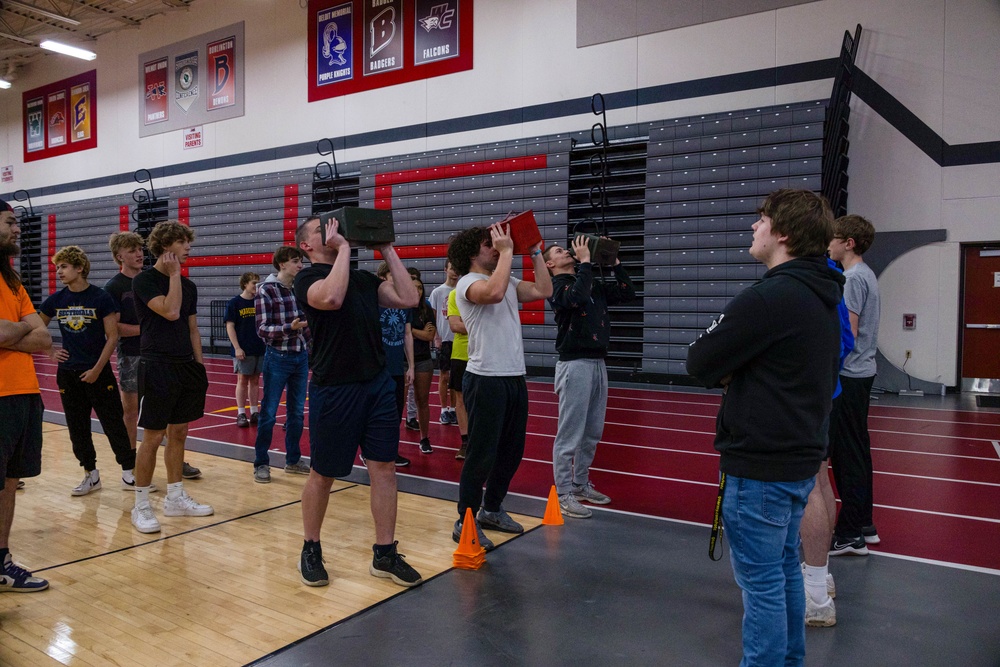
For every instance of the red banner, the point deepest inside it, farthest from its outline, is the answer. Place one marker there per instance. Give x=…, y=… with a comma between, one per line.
x=156, y=91
x=222, y=73
x=61, y=117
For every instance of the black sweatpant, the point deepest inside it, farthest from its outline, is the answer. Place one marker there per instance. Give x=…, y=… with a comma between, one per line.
x=78, y=398
x=498, y=421
x=851, y=455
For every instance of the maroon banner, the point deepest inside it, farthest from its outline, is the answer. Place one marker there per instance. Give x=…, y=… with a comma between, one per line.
x=61, y=117
x=156, y=91
x=222, y=73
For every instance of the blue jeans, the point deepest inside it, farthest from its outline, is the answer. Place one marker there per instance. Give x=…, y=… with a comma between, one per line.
x=761, y=521
x=281, y=369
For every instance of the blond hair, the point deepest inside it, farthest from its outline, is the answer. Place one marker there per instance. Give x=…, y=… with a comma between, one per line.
x=74, y=256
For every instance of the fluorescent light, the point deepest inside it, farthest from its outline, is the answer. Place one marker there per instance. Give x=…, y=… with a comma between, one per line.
x=4, y=83
x=68, y=50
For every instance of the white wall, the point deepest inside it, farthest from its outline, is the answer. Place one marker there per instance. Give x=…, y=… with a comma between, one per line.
x=937, y=58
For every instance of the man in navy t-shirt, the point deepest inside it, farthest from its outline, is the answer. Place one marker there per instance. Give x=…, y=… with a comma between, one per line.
x=88, y=322
x=247, y=349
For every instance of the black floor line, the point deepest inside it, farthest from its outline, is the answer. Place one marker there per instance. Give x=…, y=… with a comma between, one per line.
x=186, y=532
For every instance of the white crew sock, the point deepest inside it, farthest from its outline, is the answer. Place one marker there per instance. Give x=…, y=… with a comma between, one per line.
x=815, y=581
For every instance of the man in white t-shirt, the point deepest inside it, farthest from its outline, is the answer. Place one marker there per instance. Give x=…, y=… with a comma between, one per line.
x=443, y=341
x=494, y=388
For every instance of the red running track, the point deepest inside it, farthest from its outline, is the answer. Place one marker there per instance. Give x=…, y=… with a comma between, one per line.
x=937, y=472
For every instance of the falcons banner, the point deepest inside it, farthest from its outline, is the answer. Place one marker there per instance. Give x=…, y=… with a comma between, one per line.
x=359, y=45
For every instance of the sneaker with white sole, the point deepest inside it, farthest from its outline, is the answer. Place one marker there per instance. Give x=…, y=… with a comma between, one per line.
x=394, y=566
x=297, y=468
x=128, y=481
x=425, y=446
x=831, y=588
x=588, y=493
x=91, y=482
x=821, y=615
x=845, y=546
x=190, y=472
x=185, y=505
x=15, y=578
x=870, y=534
x=571, y=507
x=311, y=569
x=144, y=520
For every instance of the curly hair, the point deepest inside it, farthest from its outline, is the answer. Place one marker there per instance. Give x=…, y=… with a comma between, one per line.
x=124, y=241
x=464, y=246
x=74, y=256
x=167, y=233
x=247, y=277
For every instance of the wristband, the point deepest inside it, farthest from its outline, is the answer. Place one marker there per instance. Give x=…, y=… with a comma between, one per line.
x=536, y=252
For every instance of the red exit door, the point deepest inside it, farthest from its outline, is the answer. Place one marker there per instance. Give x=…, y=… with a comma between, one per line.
x=981, y=325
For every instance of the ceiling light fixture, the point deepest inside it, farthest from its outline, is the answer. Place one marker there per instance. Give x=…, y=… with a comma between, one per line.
x=68, y=50
x=4, y=83
x=16, y=38
x=41, y=12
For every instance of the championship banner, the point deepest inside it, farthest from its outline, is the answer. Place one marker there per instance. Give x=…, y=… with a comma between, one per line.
x=34, y=113
x=202, y=75
x=391, y=41
x=79, y=105
x=156, y=108
x=383, y=42
x=60, y=117
x=55, y=111
x=221, y=81
x=436, y=34
x=186, y=80
x=335, y=44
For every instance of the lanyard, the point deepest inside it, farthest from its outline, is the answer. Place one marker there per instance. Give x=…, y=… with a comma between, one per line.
x=717, y=519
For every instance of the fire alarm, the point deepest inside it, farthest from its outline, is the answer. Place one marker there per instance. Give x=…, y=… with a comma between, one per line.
x=909, y=321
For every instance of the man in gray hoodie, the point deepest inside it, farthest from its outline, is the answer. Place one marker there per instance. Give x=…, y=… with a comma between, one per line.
x=282, y=325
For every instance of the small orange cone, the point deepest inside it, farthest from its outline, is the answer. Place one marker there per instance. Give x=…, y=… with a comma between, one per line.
x=553, y=515
x=470, y=555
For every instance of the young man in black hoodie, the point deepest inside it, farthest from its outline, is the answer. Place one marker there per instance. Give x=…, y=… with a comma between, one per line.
x=580, y=303
x=774, y=351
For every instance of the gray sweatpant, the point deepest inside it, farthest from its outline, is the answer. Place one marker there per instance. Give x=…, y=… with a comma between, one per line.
x=582, y=386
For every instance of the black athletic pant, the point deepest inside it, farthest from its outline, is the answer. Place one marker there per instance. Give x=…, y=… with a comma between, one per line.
x=78, y=398
x=498, y=421
x=851, y=455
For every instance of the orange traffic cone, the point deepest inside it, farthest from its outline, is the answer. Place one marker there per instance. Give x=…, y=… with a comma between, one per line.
x=553, y=515
x=470, y=555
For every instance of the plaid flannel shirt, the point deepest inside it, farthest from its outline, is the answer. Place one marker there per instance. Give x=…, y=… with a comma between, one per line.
x=276, y=309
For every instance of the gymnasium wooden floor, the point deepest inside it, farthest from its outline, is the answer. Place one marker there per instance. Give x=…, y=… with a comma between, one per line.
x=218, y=590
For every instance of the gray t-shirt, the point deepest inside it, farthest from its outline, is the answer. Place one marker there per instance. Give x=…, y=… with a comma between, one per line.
x=439, y=302
x=495, y=346
x=861, y=298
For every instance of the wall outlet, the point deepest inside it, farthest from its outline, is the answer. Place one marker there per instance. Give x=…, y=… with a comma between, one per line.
x=909, y=354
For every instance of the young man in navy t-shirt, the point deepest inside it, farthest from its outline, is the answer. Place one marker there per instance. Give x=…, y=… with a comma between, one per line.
x=247, y=349
x=88, y=322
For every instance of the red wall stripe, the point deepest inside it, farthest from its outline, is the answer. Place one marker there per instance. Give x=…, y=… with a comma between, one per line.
x=52, y=252
x=291, y=221
x=462, y=169
x=184, y=217
x=123, y=218
x=419, y=251
x=230, y=260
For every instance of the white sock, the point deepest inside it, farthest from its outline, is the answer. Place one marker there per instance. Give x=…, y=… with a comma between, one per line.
x=240, y=411
x=253, y=409
x=141, y=496
x=175, y=490
x=815, y=581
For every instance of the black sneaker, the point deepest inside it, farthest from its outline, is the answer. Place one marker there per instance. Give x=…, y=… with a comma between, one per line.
x=484, y=542
x=425, y=446
x=412, y=425
x=242, y=421
x=402, y=461
x=190, y=472
x=847, y=546
x=311, y=568
x=870, y=534
x=254, y=418
x=396, y=568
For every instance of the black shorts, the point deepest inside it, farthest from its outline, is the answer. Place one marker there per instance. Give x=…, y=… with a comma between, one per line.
x=457, y=373
x=343, y=417
x=171, y=393
x=21, y=436
x=444, y=356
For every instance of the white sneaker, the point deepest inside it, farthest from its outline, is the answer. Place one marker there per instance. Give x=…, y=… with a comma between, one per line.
x=831, y=588
x=820, y=615
x=91, y=482
x=144, y=520
x=128, y=481
x=185, y=505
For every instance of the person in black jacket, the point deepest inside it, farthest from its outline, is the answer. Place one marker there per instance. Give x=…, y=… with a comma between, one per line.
x=580, y=303
x=775, y=352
